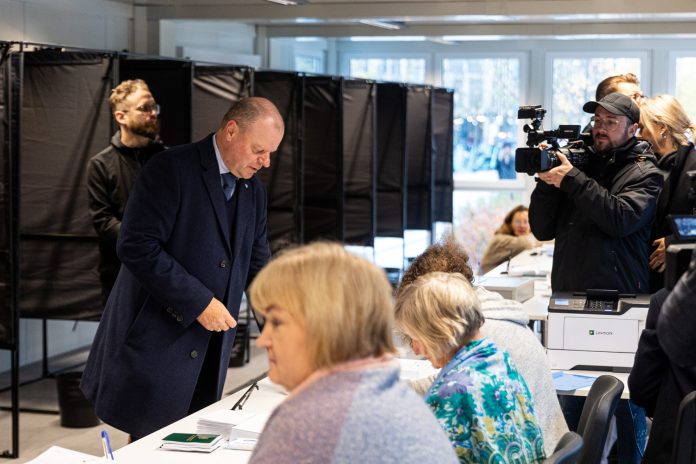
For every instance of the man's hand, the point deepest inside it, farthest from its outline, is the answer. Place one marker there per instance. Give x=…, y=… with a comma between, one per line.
x=215, y=317
x=555, y=176
x=657, y=258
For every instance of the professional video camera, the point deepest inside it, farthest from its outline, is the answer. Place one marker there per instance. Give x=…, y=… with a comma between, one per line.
x=534, y=159
x=681, y=244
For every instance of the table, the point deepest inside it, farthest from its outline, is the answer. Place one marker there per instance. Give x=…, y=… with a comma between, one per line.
x=622, y=376
x=535, y=264
x=146, y=450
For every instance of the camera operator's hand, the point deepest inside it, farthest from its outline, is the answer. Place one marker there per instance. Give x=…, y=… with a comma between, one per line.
x=555, y=176
x=657, y=257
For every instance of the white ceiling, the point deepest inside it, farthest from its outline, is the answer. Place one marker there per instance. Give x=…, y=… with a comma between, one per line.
x=338, y=18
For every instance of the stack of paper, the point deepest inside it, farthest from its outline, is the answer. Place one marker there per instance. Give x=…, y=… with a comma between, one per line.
x=232, y=424
x=413, y=369
x=204, y=443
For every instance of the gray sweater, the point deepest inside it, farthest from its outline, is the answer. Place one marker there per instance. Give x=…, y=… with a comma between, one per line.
x=506, y=324
x=359, y=412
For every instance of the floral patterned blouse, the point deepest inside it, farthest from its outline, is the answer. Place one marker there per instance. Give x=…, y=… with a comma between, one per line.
x=485, y=407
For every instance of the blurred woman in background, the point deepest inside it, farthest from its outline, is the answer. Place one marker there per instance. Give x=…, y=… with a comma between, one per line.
x=511, y=238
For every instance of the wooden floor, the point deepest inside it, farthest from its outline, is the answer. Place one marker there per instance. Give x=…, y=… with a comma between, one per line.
x=39, y=431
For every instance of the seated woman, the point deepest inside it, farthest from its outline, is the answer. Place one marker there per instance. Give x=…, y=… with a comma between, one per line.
x=512, y=237
x=667, y=127
x=506, y=324
x=328, y=335
x=479, y=397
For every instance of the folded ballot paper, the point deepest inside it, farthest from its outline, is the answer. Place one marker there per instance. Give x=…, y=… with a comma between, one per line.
x=203, y=443
x=232, y=424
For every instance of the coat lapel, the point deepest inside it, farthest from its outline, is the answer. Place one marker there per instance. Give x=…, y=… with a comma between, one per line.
x=211, y=179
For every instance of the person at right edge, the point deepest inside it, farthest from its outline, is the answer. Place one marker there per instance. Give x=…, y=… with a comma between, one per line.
x=601, y=220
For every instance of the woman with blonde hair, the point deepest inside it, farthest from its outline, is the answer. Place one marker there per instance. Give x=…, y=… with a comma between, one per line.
x=512, y=237
x=328, y=336
x=479, y=397
x=667, y=127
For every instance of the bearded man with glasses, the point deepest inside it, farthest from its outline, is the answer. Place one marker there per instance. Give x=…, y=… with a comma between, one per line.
x=601, y=218
x=112, y=172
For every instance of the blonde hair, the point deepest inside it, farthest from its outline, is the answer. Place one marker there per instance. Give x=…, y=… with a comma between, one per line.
x=441, y=311
x=343, y=301
x=123, y=90
x=665, y=110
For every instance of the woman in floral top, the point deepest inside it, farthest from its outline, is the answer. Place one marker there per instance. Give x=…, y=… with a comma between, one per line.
x=479, y=398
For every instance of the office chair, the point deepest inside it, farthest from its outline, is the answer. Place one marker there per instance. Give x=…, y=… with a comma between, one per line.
x=683, y=447
x=596, y=416
x=567, y=450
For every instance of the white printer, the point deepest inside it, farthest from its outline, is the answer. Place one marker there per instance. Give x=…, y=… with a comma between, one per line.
x=594, y=328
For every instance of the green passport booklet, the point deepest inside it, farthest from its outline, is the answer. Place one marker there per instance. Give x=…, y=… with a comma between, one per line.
x=191, y=438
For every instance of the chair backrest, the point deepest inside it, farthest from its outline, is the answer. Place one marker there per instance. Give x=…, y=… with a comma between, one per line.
x=683, y=448
x=596, y=416
x=567, y=450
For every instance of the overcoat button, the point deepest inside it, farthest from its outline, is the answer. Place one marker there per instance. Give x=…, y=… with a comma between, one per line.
x=223, y=263
x=194, y=354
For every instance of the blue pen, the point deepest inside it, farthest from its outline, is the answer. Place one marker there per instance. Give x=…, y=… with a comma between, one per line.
x=108, y=452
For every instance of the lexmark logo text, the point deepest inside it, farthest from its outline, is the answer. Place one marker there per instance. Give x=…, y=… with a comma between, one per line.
x=601, y=332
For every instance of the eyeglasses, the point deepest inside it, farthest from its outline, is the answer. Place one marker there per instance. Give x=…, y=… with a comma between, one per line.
x=608, y=123
x=147, y=108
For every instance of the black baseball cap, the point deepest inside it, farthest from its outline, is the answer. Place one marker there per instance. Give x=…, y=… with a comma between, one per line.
x=615, y=103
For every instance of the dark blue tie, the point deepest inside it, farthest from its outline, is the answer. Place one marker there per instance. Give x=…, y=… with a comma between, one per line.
x=228, y=184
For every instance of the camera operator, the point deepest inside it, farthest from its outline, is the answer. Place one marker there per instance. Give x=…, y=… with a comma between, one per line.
x=601, y=218
x=664, y=370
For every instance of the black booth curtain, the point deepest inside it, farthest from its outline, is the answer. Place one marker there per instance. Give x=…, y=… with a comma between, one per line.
x=323, y=173
x=359, y=161
x=65, y=120
x=419, y=159
x=170, y=84
x=339, y=175
x=391, y=159
x=441, y=127
x=7, y=335
x=215, y=89
x=284, y=178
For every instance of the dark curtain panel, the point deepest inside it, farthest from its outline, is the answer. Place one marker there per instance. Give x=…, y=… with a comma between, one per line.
x=359, y=159
x=65, y=120
x=283, y=179
x=441, y=124
x=7, y=329
x=418, y=158
x=391, y=159
x=170, y=84
x=323, y=194
x=215, y=89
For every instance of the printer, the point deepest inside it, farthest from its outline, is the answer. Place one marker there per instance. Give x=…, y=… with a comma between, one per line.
x=594, y=328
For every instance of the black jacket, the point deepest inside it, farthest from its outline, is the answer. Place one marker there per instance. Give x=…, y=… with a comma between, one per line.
x=664, y=370
x=601, y=221
x=110, y=177
x=674, y=198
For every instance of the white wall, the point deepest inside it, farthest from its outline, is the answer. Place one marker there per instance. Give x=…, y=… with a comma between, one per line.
x=99, y=24
x=220, y=42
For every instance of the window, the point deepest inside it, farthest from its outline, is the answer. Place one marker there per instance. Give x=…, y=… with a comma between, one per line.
x=487, y=94
x=574, y=81
x=685, y=85
x=310, y=64
x=389, y=69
